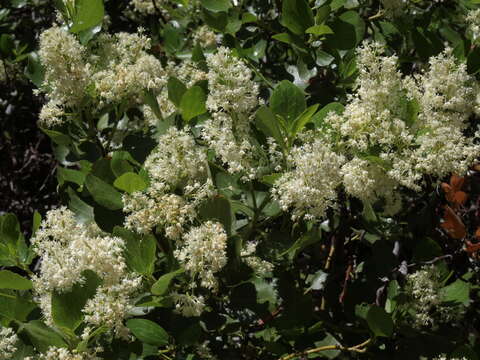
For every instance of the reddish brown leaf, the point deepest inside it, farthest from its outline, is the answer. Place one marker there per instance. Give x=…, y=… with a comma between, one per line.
x=453, y=224
x=453, y=191
x=472, y=248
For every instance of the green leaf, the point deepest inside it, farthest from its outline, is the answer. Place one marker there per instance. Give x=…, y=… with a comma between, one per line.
x=176, y=90
x=10, y=230
x=83, y=212
x=104, y=193
x=301, y=243
x=348, y=29
x=15, y=305
x=193, y=103
x=43, y=337
x=319, y=30
x=319, y=117
x=140, y=251
x=34, y=70
x=57, y=137
x=67, y=306
x=88, y=13
x=148, y=332
x=379, y=321
x=457, y=292
x=266, y=292
x=161, y=285
x=329, y=340
x=302, y=120
x=288, y=101
x=70, y=175
x=11, y=280
x=130, y=182
x=216, y=5
x=217, y=209
x=37, y=220
x=267, y=123
x=217, y=21
x=297, y=16
x=151, y=100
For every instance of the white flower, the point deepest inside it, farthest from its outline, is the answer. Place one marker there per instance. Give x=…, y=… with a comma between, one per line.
x=423, y=287
x=52, y=114
x=188, y=305
x=204, y=36
x=398, y=129
x=473, y=21
x=67, y=72
x=259, y=266
x=230, y=84
x=54, y=353
x=111, y=69
x=8, y=339
x=177, y=164
x=67, y=249
x=204, y=253
x=310, y=187
x=232, y=98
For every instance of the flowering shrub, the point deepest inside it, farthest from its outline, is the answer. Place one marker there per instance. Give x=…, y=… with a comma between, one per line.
x=245, y=179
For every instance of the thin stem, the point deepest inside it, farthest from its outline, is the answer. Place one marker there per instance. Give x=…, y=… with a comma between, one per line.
x=360, y=348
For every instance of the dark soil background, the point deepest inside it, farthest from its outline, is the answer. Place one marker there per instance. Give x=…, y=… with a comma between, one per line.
x=27, y=165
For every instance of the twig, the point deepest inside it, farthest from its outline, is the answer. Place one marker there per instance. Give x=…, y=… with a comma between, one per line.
x=360, y=348
x=328, y=263
x=348, y=272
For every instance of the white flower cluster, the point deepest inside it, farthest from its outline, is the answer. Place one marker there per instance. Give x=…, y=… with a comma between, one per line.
x=473, y=21
x=423, y=287
x=176, y=164
x=395, y=129
x=67, y=249
x=54, y=353
x=188, y=305
x=8, y=339
x=232, y=98
x=205, y=37
x=204, y=252
x=310, y=187
x=260, y=267
x=113, y=68
x=67, y=71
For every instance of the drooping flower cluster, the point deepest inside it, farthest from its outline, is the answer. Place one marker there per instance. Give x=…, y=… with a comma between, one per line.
x=423, y=288
x=67, y=249
x=310, y=187
x=176, y=164
x=8, y=340
x=395, y=130
x=232, y=98
x=203, y=253
x=67, y=71
x=111, y=69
